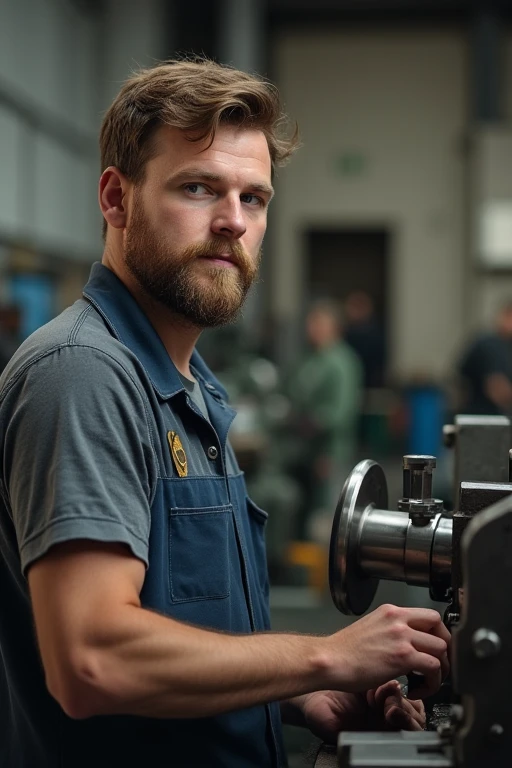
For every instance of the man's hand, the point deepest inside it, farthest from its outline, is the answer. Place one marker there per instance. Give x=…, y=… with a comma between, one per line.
x=389, y=642
x=326, y=713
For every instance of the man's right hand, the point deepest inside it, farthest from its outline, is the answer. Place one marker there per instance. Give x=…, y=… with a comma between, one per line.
x=387, y=643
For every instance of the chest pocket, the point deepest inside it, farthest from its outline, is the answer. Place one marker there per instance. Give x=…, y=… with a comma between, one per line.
x=199, y=553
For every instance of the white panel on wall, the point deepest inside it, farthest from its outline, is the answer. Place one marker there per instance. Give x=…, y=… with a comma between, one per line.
x=85, y=218
x=85, y=82
x=28, y=45
x=495, y=240
x=10, y=143
x=75, y=73
x=17, y=33
x=54, y=190
x=135, y=35
x=64, y=192
x=47, y=59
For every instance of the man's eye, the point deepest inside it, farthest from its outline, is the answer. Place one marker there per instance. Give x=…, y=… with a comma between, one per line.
x=195, y=189
x=251, y=199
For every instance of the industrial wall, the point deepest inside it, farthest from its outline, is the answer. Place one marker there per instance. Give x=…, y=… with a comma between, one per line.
x=398, y=98
x=48, y=121
x=60, y=65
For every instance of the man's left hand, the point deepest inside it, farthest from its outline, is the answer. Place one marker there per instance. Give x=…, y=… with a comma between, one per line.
x=326, y=713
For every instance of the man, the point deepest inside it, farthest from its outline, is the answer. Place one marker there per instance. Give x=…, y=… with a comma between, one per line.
x=122, y=503
x=486, y=368
x=326, y=393
x=364, y=333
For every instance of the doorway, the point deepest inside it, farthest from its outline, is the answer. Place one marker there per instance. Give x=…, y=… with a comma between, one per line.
x=343, y=261
x=340, y=261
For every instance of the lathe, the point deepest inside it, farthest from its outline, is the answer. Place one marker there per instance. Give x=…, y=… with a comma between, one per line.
x=464, y=558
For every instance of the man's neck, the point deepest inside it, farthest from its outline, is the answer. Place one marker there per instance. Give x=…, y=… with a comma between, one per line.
x=327, y=344
x=178, y=336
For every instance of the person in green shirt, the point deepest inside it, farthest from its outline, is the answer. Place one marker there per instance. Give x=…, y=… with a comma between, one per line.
x=326, y=397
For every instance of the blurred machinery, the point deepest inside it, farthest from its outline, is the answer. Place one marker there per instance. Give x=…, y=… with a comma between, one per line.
x=465, y=560
x=259, y=437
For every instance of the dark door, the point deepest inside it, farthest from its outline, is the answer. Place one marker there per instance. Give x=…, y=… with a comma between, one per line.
x=341, y=261
x=346, y=262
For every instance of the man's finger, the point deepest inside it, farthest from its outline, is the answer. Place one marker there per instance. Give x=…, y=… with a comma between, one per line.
x=433, y=646
x=391, y=688
x=428, y=620
x=432, y=671
x=398, y=710
x=370, y=698
x=396, y=717
x=429, y=643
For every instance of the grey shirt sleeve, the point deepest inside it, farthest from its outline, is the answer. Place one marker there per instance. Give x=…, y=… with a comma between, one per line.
x=78, y=457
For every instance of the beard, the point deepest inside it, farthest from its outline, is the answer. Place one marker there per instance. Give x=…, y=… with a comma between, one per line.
x=206, y=295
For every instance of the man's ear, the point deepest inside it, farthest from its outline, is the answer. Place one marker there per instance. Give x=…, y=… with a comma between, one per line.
x=112, y=190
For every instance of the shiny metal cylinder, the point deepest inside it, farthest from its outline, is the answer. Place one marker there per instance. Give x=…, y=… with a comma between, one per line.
x=441, y=559
x=391, y=547
x=418, y=547
x=381, y=543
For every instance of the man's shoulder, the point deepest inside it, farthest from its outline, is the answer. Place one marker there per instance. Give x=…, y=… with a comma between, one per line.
x=79, y=326
x=343, y=354
x=482, y=344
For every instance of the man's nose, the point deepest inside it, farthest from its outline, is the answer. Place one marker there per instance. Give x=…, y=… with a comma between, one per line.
x=229, y=219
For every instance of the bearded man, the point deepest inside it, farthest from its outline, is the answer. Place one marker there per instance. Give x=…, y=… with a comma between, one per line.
x=134, y=596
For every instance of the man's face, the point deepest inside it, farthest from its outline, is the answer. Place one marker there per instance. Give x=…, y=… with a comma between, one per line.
x=196, y=223
x=321, y=328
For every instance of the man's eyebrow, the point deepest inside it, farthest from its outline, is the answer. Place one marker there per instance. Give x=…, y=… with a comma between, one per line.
x=199, y=174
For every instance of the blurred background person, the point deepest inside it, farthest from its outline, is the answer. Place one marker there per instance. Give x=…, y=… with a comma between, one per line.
x=325, y=392
x=486, y=368
x=365, y=334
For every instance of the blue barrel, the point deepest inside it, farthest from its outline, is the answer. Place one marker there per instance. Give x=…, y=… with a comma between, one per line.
x=426, y=408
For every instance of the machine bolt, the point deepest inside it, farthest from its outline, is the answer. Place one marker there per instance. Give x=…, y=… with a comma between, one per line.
x=451, y=618
x=486, y=643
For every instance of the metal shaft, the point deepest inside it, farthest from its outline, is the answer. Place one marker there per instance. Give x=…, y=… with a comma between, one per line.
x=392, y=547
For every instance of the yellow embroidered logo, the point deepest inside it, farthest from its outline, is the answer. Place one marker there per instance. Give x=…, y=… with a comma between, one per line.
x=178, y=454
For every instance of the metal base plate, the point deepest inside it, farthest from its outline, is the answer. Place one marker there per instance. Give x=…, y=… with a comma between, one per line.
x=366, y=486
x=403, y=749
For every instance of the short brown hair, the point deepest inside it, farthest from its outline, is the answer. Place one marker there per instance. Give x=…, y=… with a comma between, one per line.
x=195, y=96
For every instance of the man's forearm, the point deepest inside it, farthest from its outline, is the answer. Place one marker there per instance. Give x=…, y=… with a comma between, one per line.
x=146, y=664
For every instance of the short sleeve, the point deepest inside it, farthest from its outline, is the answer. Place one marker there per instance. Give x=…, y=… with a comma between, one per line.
x=78, y=458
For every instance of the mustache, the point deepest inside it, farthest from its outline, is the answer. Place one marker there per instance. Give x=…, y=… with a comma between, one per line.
x=217, y=248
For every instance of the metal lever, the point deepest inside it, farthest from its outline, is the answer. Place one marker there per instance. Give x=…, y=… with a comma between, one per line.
x=417, y=499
